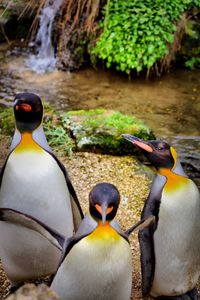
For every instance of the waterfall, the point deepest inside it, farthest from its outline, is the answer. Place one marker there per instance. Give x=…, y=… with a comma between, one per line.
x=45, y=59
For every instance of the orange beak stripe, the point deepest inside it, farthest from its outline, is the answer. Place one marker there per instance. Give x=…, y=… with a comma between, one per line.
x=143, y=146
x=99, y=209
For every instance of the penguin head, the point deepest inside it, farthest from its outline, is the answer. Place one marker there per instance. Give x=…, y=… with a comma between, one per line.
x=159, y=153
x=28, y=112
x=104, y=200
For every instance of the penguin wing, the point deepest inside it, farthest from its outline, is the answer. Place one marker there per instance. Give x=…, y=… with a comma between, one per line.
x=76, y=207
x=117, y=227
x=3, y=168
x=146, y=241
x=16, y=217
x=140, y=224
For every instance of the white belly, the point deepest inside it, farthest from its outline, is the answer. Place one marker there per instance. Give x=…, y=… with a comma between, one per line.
x=92, y=271
x=34, y=184
x=177, y=243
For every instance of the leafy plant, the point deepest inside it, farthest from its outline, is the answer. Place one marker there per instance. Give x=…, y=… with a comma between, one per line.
x=192, y=63
x=136, y=34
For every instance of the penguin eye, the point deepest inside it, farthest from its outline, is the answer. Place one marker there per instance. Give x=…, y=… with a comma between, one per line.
x=160, y=148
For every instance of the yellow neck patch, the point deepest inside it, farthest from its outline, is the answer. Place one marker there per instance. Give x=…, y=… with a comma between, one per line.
x=174, y=181
x=27, y=143
x=104, y=233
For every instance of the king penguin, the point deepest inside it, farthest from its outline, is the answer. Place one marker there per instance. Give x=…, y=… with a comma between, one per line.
x=28, y=249
x=97, y=259
x=32, y=179
x=170, y=247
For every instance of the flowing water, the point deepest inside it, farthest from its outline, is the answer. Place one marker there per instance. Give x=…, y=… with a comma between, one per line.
x=169, y=105
x=45, y=59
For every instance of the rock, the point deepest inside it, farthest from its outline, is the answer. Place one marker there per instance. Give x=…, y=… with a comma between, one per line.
x=32, y=292
x=100, y=130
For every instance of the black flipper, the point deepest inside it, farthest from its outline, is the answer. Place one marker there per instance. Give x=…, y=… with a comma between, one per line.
x=15, y=216
x=145, y=235
x=141, y=224
x=77, y=207
x=3, y=168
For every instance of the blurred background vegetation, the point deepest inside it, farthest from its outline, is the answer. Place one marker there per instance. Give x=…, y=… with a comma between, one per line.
x=134, y=37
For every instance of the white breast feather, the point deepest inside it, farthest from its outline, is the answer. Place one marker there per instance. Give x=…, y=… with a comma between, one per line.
x=177, y=242
x=93, y=271
x=34, y=184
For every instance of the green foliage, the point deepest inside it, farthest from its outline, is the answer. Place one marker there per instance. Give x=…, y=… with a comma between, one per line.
x=7, y=124
x=100, y=130
x=193, y=63
x=58, y=138
x=136, y=34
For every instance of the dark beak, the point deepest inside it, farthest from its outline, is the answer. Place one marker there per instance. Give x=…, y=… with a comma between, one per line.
x=104, y=207
x=138, y=142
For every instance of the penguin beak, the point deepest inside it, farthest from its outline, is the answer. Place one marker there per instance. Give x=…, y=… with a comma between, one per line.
x=103, y=209
x=138, y=142
x=104, y=212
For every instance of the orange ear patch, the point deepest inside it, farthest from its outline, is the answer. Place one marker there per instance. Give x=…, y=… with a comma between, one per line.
x=24, y=106
x=99, y=209
x=109, y=209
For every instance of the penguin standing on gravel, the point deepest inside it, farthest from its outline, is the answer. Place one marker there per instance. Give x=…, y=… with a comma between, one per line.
x=97, y=260
x=32, y=180
x=170, y=248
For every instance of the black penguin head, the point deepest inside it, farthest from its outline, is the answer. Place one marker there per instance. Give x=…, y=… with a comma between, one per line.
x=104, y=200
x=28, y=112
x=159, y=153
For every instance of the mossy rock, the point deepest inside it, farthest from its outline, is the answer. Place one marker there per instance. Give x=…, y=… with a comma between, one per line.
x=100, y=130
x=96, y=130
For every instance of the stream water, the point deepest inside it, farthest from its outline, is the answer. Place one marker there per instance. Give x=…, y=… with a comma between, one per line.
x=169, y=105
x=45, y=58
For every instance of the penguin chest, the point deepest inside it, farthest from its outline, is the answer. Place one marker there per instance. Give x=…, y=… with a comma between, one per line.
x=34, y=184
x=177, y=241
x=96, y=269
